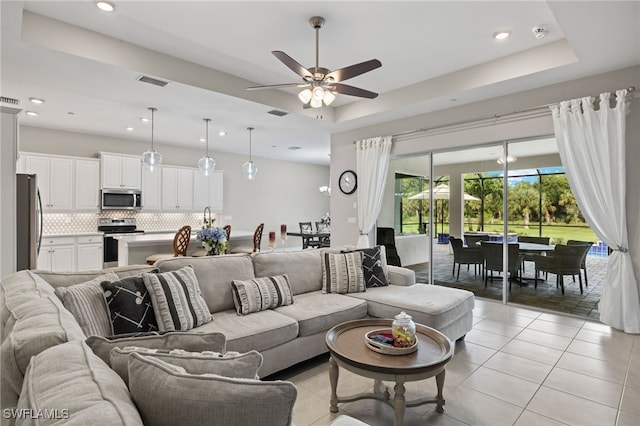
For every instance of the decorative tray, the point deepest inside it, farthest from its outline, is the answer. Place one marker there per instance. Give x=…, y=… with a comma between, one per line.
x=376, y=340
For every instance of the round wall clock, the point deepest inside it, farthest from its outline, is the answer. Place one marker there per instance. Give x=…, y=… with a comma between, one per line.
x=348, y=182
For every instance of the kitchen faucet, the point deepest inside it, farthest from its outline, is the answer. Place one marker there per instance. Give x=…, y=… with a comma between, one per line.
x=207, y=223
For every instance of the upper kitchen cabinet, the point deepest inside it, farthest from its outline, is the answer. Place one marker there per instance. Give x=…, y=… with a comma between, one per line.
x=87, y=184
x=151, y=190
x=177, y=189
x=207, y=191
x=54, y=179
x=120, y=171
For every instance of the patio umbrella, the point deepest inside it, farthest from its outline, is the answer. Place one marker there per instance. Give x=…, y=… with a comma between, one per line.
x=441, y=192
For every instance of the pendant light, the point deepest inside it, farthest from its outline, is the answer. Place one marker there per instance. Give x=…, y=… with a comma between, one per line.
x=206, y=164
x=151, y=158
x=249, y=168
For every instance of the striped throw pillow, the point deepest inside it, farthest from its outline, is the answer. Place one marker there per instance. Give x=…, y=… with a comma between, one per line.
x=259, y=294
x=342, y=273
x=176, y=299
x=87, y=305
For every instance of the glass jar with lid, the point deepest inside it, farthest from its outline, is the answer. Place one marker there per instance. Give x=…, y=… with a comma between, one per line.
x=404, y=330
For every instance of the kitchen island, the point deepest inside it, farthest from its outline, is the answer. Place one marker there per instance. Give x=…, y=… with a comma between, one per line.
x=134, y=249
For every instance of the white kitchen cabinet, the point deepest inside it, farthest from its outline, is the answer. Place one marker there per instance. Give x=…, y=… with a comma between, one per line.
x=54, y=179
x=208, y=191
x=177, y=189
x=120, y=171
x=57, y=254
x=87, y=185
x=89, y=252
x=151, y=190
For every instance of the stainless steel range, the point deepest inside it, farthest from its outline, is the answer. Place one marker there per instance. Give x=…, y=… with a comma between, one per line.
x=113, y=228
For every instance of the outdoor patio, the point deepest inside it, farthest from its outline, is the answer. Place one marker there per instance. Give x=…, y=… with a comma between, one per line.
x=546, y=296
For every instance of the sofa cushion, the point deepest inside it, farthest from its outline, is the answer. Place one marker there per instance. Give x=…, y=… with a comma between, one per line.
x=258, y=331
x=166, y=396
x=189, y=341
x=35, y=321
x=74, y=384
x=86, y=303
x=303, y=268
x=230, y=364
x=214, y=274
x=342, y=273
x=374, y=267
x=129, y=305
x=317, y=312
x=64, y=279
x=258, y=294
x=176, y=299
x=431, y=305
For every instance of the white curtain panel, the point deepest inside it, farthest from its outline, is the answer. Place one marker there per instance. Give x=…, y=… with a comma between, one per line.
x=592, y=148
x=372, y=157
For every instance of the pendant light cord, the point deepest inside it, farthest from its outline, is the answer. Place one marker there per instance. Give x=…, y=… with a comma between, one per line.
x=207, y=120
x=250, y=129
x=152, y=111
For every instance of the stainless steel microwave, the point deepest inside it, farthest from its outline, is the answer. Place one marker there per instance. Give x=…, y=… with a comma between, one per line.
x=121, y=199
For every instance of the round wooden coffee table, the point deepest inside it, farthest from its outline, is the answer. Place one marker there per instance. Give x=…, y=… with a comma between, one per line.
x=347, y=348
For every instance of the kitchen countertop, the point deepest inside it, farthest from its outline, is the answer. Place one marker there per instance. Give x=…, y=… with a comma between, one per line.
x=75, y=234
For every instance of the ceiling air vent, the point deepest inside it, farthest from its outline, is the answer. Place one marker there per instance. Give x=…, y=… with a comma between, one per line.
x=277, y=113
x=11, y=101
x=294, y=148
x=151, y=80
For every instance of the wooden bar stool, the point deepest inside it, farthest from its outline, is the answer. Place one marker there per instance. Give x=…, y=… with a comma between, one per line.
x=180, y=245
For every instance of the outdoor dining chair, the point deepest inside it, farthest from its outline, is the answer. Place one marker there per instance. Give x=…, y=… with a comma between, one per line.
x=529, y=239
x=465, y=256
x=565, y=260
x=492, y=254
x=583, y=264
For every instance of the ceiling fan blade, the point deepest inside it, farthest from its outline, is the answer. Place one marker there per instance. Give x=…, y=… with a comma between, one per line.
x=276, y=86
x=292, y=64
x=345, y=89
x=353, y=70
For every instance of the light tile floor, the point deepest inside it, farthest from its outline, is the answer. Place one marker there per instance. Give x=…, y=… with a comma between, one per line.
x=516, y=367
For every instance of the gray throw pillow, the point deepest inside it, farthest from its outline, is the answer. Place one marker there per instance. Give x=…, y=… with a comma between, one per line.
x=342, y=273
x=86, y=303
x=189, y=341
x=230, y=364
x=166, y=395
x=176, y=299
x=259, y=294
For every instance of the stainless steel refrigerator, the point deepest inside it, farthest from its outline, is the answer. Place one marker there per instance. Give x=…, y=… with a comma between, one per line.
x=28, y=221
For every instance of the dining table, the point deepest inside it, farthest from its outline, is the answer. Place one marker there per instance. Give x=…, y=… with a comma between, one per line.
x=525, y=248
x=307, y=236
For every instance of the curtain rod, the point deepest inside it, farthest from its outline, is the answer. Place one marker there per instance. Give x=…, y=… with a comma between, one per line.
x=477, y=121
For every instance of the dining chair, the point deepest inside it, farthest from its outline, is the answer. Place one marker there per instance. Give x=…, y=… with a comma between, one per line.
x=203, y=252
x=257, y=239
x=324, y=241
x=565, y=260
x=465, y=256
x=307, y=240
x=180, y=245
x=492, y=254
x=473, y=239
x=583, y=264
x=530, y=239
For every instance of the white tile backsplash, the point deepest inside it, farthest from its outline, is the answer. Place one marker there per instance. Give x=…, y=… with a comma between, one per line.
x=77, y=223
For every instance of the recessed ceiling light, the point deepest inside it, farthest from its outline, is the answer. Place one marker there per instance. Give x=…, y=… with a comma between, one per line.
x=31, y=113
x=144, y=119
x=502, y=34
x=129, y=128
x=105, y=6
x=222, y=133
x=36, y=100
x=203, y=140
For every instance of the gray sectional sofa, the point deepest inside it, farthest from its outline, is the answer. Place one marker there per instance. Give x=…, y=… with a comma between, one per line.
x=34, y=321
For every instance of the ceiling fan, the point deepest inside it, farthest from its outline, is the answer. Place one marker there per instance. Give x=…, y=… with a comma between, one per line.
x=320, y=85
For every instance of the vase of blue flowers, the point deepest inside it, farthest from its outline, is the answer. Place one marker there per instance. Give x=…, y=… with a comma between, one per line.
x=213, y=239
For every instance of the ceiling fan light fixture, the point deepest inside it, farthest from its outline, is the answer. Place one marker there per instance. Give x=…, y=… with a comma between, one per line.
x=151, y=158
x=329, y=97
x=305, y=96
x=318, y=93
x=316, y=103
